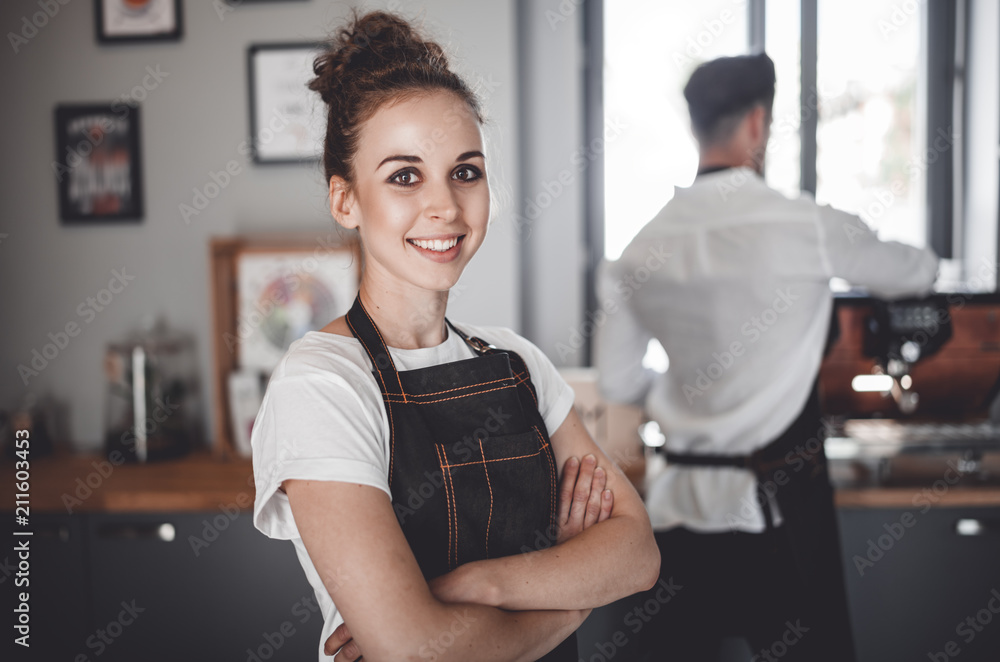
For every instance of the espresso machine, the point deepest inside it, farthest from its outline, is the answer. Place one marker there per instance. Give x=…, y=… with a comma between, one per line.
x=908, y=386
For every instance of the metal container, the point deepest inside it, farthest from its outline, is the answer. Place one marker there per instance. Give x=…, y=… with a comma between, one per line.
x=152, y=406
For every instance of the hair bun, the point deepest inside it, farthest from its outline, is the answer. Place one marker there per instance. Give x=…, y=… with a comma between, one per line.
x=371, y=47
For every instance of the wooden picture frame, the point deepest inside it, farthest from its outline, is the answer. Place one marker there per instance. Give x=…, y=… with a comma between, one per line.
x=287, y=119
x=98, y=164
x=224, y=257
x=118, y=21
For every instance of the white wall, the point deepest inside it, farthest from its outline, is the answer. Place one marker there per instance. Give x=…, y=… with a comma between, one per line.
x=191, y=124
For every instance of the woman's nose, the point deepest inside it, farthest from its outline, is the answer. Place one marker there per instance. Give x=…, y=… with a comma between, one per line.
x=441, y=201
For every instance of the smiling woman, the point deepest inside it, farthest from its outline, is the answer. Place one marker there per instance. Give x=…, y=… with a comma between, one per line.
x=443, y=497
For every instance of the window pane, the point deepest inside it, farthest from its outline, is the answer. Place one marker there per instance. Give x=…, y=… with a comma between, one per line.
x=782, y=34
x=869, y=141
x=651, y=48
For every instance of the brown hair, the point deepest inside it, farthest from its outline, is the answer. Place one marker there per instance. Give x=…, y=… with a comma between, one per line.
x=375, y=58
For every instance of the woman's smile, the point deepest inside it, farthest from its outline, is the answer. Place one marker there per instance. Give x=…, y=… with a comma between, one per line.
x=438, y=249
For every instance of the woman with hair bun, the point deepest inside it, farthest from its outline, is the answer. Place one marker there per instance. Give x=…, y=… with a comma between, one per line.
x=415, y=463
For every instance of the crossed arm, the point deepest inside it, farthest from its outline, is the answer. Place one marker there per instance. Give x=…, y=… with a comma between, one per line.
x=394, y=614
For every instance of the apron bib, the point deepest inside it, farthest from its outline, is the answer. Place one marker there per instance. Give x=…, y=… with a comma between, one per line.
x=471, y=470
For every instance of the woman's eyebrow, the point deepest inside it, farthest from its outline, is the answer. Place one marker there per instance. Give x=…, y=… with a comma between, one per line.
x=469, y=155
x=399, y=157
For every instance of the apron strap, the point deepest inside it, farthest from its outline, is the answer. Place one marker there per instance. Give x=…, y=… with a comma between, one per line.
x=478, y=344
x=364, y=329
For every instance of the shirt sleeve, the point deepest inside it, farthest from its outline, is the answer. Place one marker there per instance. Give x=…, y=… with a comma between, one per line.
x=889, y=269
x=315, y=427
x=620, y=343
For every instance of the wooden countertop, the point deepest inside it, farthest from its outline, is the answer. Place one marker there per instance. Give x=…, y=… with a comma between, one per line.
x=70, y=483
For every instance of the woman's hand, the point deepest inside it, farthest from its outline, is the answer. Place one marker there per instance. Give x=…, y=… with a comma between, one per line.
x=341, y=638
x=583, y=501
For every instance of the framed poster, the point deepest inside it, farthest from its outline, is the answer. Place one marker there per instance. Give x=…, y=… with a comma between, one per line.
x=287, y=119
x=282, y=294
x=98, y=165
x=137, y=20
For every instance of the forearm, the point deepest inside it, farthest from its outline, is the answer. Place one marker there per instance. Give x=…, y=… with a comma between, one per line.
x=465, y=631
x=608, y=561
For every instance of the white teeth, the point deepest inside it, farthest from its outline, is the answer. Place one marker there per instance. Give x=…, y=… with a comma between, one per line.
x=438, y=245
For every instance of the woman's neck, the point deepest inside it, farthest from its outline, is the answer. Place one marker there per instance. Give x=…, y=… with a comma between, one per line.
x=407, y=317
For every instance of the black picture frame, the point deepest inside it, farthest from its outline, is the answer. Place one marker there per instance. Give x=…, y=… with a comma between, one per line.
x=98, y=164
x=295, y=99
x=133, y=26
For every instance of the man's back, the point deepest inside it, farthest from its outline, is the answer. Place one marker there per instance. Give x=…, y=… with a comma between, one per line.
x=742, y=307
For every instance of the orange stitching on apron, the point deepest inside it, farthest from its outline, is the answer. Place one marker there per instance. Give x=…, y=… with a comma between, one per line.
x=552, y=478
x=526, y=378
x=386, y=349
x=499, y=459
x=489, y=519
x=370, y=355
x=454, y=397
x=447, y=479
x=457, y=388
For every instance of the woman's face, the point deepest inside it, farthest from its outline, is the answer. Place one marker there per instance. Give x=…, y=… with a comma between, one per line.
x=421, y=200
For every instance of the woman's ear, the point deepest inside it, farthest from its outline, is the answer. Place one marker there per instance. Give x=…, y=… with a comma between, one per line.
x=342, y=206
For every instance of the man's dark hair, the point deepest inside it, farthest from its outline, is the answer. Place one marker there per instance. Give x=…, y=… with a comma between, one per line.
x=722, y=91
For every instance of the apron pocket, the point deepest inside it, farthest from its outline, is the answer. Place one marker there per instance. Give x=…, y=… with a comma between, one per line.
x=501, y=501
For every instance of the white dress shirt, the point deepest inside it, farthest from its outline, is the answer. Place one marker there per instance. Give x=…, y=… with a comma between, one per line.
x=732, y=278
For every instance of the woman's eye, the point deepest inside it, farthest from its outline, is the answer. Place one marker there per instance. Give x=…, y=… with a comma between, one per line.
x=467, y=174
x=404, y=178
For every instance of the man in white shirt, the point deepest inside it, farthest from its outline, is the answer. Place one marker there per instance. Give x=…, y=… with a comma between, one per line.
x=743, y=511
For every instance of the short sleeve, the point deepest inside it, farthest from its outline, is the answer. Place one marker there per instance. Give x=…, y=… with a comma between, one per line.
x=555, y=395
x=313, y=427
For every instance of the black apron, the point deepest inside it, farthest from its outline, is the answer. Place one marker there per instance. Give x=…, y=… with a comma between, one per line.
x=810, y=519
x=471, y=470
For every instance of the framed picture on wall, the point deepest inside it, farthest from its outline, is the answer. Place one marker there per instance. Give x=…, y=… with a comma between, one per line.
x=137, y=20
x=98, y=165
x=287, y=119
x=284, y=293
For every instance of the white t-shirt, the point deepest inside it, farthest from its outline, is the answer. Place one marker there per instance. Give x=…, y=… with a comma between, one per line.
x=322, y=418
x=733, y=279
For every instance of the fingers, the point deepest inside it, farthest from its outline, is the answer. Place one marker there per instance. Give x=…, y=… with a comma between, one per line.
x=566, y=486
x=607, y=504
x=581, y=494
x=349, y=653
x=595, y=498
x=340, y=636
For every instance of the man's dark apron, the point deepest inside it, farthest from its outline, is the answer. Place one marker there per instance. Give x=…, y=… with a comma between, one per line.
x=805, y=499
x=471, y=470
